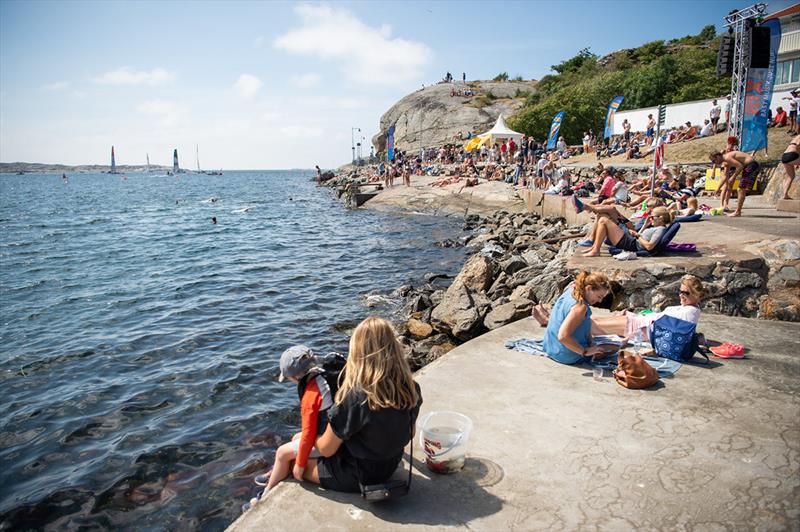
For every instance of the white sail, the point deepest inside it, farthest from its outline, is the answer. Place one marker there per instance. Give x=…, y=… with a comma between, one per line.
x=175, y=167
x=113, y=162
x=197, y=157
x=148, y=163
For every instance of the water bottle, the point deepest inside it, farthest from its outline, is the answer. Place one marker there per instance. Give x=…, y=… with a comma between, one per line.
x=637, y=340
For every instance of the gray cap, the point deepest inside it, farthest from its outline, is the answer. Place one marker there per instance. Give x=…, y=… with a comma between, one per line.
x=296, y=362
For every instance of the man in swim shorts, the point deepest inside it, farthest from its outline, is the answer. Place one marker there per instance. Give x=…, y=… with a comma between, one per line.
x=744, y=164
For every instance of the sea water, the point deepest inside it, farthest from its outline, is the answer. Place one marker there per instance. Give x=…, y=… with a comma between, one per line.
x=140, y=341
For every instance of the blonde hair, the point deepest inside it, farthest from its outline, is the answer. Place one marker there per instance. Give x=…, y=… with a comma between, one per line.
x=595, y=280
x=692, y=203
x=695, y=286
x=376, y=366
x=665, y=214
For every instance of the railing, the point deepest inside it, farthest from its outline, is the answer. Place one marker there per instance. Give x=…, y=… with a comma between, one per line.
x=790, y=42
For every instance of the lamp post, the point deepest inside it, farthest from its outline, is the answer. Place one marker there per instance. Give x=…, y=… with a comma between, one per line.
x=353, y=141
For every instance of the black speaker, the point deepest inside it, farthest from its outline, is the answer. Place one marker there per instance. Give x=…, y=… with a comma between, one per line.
x=725, y=56
x=759, y=47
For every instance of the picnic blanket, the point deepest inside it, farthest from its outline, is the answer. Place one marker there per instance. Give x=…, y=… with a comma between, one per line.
x=534, y=346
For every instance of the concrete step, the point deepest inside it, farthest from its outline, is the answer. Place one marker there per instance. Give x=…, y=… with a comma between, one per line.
x=789, y=205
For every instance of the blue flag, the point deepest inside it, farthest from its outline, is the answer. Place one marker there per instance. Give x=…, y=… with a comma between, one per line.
x=758, y=94
x=554, y=127
x=612, y=108
x=390, y=144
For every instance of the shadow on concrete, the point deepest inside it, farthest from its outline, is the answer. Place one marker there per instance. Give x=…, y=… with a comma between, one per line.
x=434, y=499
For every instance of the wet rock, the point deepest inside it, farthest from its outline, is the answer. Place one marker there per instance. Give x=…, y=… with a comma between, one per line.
x=418, y=303
x=419, y=330
x=477, y=274
x=403, y=290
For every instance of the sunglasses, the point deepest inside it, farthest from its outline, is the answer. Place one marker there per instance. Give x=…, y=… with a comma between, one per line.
x=684, y=293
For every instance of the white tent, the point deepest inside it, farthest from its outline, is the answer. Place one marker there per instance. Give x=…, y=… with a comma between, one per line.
x=500, y=131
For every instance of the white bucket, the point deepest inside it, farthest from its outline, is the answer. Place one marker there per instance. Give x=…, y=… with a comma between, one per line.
x=443, y=437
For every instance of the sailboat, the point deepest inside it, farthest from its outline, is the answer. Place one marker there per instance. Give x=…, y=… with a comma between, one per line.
x=176, y=169
x=148, y=164
x=197, y=158
x=208, y=172
x=113, y=162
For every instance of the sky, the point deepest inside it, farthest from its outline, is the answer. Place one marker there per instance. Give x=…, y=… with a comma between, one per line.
x=272, y=85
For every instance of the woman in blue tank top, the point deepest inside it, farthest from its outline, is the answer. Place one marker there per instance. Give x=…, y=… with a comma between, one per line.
x=568, y=337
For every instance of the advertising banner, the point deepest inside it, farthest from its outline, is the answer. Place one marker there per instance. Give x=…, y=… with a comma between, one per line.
x=758, y=95
x=390, y=144
x=612, y=108
x=554, y=127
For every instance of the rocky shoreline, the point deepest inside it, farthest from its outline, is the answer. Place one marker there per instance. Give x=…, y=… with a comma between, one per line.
x=520, y=260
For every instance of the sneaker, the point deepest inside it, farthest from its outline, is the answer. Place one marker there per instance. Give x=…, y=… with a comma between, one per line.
x=728, y=350
x=262, y=480
x=246, y=507
x=625, y=255
x=586, y=243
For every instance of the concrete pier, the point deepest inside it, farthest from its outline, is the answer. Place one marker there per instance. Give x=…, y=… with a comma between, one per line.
x=715, y=447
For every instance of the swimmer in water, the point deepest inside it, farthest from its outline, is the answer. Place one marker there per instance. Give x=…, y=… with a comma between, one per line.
x=214, y=220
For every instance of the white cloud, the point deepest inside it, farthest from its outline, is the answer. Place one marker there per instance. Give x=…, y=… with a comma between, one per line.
x=301, y=131
x=247, y=85
x=366, y=54
x=128, y=76
x=306, y=81
x=167, y=113
x=56, y=86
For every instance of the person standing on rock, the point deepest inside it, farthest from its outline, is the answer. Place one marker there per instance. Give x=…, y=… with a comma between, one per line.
x=716, y=110
x=464, y=77
x=651, y=130
x=568, y=337
x=742, y=163
x=319, y=175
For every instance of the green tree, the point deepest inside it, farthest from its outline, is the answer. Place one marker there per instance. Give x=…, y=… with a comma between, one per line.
x=502, y=76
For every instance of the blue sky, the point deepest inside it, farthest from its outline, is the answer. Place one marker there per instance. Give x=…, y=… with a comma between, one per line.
x=269, y=84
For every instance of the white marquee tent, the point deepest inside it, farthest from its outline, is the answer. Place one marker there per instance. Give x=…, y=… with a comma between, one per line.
x=500, y=131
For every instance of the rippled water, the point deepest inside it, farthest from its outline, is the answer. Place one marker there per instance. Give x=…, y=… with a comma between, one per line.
x=139, y=342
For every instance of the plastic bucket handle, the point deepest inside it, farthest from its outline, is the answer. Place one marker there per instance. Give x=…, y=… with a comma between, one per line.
x=422, y=422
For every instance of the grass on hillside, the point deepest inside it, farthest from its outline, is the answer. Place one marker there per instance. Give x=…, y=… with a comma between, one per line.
x=696, y=151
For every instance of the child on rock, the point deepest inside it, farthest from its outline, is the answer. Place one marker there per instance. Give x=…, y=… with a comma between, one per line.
x=317, y=381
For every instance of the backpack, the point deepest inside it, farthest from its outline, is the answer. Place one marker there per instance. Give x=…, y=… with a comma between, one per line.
x=675, y=339
x=327, y=371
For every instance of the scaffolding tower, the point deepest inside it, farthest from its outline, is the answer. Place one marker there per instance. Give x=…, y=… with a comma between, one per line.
x=741, y=23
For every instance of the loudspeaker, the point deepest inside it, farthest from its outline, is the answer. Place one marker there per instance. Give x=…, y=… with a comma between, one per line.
x=759, y=47
x=725, y=56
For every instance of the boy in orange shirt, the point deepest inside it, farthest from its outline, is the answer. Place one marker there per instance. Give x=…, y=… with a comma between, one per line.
x=316, y=384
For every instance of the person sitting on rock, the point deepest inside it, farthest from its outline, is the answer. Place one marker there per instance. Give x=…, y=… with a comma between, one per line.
x=690, y=294
x=568, y=337
x=606, y=229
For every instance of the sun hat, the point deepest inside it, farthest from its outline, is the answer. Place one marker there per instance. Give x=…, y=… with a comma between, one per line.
x=296, y=362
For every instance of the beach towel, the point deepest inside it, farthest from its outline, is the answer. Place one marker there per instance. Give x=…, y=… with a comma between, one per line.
x=676, y=247
x=534, y=346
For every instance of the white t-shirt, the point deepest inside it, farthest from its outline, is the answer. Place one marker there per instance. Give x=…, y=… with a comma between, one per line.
x=715, y=111
x=706, y=131
x=621, y=191
x=682, y=312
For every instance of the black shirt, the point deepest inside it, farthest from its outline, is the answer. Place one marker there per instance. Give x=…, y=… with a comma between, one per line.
x=372, y=435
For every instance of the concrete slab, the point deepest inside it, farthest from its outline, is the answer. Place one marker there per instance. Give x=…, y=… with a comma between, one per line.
x=713, y=448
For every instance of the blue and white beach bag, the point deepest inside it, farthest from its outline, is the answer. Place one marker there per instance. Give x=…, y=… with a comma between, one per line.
x=674, y=338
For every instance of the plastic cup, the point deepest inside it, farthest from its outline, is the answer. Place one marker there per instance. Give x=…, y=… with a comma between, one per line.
x=598, y=374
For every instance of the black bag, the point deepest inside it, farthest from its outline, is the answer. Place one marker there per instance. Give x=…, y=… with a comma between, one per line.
x=392, y=489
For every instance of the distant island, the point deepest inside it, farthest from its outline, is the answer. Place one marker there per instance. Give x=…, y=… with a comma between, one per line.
x=32, y=168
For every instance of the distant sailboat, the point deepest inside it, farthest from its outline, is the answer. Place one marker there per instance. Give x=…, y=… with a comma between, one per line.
x=113, y=162
x=148, y=163
x=175, y=168
x=197, y=157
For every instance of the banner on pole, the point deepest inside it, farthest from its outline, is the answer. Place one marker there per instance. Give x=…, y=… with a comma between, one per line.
x=390, y=144
x=758, y=94
x=554, y=127
x=612, y=108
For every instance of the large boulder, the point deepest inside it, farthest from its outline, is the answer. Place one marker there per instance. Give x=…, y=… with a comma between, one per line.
x=419, y=330
x=460, y=313
x=505, y=314
x=478, y=273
